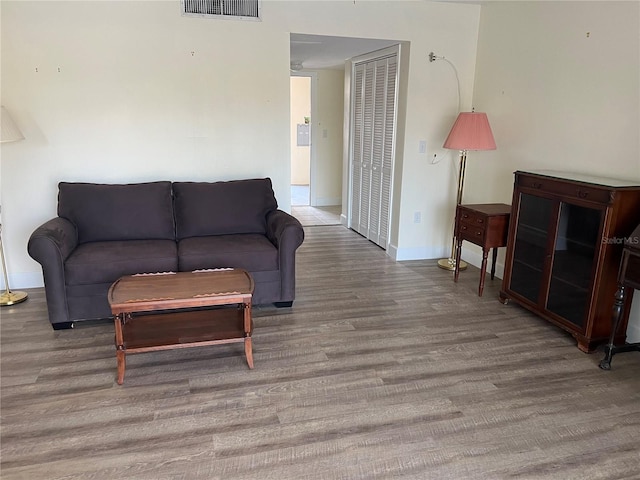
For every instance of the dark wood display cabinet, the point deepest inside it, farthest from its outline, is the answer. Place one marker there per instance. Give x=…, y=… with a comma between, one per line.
x=565, y=242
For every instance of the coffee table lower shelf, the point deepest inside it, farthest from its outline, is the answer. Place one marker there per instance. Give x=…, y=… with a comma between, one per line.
x=172, y=330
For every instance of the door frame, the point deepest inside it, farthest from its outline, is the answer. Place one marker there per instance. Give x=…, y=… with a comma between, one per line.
x=313, y=202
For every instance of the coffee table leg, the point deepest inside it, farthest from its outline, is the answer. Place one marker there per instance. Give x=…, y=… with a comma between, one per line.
x=120, y=354
x=248, y=351
x=122, y=361
x=248, y=327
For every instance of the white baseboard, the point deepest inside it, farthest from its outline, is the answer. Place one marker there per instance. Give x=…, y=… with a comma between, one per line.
x=425, y=253
x=328, y=201
x=343, y=220
x=475, y=259
x=415, y=253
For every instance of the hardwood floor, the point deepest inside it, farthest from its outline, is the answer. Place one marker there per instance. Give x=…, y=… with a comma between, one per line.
x=380, y=370
x=316, y=216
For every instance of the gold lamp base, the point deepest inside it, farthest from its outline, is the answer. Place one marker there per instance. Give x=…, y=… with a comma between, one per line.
x=450, y=264
x=8, y=297
x=11, y=298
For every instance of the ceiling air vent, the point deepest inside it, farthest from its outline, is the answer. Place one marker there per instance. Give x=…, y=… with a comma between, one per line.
x=239, y=9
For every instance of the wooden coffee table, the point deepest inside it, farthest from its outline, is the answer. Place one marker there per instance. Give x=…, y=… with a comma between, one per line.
x=162, y=311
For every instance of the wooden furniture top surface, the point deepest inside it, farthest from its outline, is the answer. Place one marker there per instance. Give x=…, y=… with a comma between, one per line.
x=165, y=291
x=630, y=268
x=582, y=178
x=632, y=242
x=489, y=208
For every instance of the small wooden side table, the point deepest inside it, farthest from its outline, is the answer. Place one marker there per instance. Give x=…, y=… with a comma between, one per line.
x=628, y=280
x=485, y=225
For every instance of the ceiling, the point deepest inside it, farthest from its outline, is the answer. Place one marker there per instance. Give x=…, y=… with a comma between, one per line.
x=321, y=51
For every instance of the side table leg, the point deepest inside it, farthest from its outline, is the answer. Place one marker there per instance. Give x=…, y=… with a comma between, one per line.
x=483, y=270
x=457, y=254
x=618, y=303
x=493, y=262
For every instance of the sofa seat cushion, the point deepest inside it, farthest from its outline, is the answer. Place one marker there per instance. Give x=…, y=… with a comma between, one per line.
x=105, y=262
x=252, y=252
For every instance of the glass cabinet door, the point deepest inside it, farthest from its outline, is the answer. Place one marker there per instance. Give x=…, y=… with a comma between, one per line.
x=573, y=259
x=534, y=216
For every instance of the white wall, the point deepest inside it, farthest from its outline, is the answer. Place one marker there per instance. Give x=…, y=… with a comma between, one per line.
x=328, y=137
x=144, y=94
x=430, y=107
x=300, y=108
x=560, y=82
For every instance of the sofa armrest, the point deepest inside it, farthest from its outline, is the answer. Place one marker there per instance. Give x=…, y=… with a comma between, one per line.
x=50, y=245
x=286, y=233
x=284, y=230
x=56, y=237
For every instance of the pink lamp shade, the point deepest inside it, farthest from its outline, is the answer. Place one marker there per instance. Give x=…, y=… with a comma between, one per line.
x=471, y=132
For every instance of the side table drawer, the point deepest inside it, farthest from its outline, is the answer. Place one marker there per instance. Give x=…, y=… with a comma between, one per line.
x=472, y=233
x=472, y=218
x=472, y=225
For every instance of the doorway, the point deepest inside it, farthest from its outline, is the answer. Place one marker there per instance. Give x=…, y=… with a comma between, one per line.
x=301, y=139
x=306, y=206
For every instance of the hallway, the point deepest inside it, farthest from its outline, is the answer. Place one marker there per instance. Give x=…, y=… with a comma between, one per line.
x=312, y=216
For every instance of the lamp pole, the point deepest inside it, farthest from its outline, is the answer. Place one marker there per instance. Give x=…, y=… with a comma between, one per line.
x=8, y=297
x=450, y=263
x=471, y=131
x=9, y=132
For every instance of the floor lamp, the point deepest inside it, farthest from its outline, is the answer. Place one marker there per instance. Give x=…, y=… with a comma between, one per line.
x=9, y=132
x=471, y=131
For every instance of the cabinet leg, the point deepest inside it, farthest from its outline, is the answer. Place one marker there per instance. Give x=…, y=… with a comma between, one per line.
x=585, y=347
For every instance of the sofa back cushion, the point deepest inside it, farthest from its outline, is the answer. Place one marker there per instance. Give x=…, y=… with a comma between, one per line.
x=222, y=208
x=103, y=212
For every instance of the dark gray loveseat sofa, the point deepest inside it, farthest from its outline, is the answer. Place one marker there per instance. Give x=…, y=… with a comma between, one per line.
x=105, y=231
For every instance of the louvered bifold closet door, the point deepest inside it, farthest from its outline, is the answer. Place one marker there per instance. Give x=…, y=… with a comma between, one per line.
x=388, y=151
x=372, y=155
x=356, y=154
x=367, y=153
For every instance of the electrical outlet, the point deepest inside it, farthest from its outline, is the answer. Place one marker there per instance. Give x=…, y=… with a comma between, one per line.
x=417, y=217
